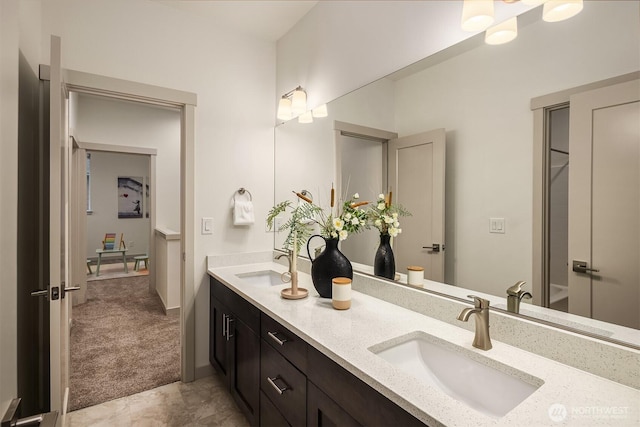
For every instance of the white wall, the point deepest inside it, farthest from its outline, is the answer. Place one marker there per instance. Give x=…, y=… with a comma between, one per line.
x=105, y=169
x=107, y=121
x=234, y=79
x=9, y=45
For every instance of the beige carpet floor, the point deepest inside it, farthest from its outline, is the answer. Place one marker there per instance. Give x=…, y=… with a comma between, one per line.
x=122, y=343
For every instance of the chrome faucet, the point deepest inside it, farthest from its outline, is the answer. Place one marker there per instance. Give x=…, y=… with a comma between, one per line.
x=514, y=295
x=482, y=339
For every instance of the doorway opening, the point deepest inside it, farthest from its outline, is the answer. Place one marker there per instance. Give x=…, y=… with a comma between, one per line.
x=125, y=334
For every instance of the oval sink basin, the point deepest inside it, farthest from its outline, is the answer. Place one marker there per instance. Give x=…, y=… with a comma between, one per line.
x=481, y=383
x=262, y=278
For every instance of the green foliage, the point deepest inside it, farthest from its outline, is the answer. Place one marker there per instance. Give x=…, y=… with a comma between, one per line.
x=299, y=224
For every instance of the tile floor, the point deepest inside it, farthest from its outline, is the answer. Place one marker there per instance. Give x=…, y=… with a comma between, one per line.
x=205, y=402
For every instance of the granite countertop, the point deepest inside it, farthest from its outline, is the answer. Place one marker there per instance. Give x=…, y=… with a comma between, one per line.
x=346, y=336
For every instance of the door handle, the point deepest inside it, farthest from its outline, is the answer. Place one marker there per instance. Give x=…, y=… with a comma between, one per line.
x=434, y=248
x=224, y=326
x=40, y=293
x=229, y=334
x=581, y=267
x=69, y=289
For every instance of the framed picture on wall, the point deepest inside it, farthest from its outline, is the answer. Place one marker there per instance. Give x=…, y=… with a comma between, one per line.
x=130, y=197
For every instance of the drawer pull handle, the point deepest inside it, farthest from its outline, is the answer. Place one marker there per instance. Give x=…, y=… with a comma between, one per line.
x=276, y=339
x=275, y=386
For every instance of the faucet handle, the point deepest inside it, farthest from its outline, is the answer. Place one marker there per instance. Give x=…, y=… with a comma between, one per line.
x=479, y=302
x=516, y=289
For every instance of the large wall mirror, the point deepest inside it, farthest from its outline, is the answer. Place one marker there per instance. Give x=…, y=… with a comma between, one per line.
x=481, y=96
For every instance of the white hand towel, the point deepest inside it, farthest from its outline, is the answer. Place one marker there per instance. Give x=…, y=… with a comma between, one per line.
x=243, y=212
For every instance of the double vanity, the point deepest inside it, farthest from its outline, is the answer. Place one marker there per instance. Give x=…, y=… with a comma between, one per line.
x=301, y=362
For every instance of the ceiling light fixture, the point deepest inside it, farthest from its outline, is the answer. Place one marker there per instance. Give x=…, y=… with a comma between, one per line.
x=477, y=15
x=502, y=33
x=559, y=10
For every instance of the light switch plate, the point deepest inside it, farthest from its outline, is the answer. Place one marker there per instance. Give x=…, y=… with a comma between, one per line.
x=207, y=226
x=496, y=225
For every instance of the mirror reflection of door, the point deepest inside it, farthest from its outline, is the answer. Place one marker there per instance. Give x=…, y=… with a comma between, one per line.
x=604, y=204
x=417, y=178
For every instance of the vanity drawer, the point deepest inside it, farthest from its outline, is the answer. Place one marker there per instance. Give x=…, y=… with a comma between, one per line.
x=284, y=341
x=283, y=384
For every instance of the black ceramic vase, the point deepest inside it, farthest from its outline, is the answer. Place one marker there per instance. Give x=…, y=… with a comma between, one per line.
x=329, y=264
x=384, y=264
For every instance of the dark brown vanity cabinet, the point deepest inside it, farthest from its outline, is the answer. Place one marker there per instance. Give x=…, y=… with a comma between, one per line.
x=282, y=379
x=234, y=346
x=278, y=379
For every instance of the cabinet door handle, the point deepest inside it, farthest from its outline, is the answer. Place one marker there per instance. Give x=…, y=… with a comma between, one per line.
x=272, y=381
x=274, y=337
x=224, y=325
x=229, y=334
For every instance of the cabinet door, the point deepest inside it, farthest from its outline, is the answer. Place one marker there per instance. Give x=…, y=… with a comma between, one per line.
x=245, y=373
x=218, y=354
x=324, y=412
x=269, y=414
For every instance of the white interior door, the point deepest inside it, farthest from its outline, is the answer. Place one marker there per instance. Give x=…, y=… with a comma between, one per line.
x=604, y=204
x=417, y=178
x=60, y=158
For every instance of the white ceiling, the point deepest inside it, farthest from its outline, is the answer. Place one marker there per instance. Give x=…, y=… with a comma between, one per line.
x=265, y=19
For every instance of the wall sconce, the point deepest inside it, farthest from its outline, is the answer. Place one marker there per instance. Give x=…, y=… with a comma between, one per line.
x=559, y=10
x=292, y=103
x=477, y=15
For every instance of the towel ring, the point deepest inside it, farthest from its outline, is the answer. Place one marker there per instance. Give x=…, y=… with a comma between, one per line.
x=241, y=192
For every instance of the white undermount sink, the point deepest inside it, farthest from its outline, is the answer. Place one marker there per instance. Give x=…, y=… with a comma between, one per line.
x=461, y=373
x=262, y=278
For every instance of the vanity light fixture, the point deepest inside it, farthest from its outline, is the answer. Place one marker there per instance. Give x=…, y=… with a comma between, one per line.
x=502, y=33
x=292, y=103
x=559, y=10
x=477, y=15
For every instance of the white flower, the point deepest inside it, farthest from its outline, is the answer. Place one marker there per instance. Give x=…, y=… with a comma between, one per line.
x=396, y=224
x=355, y=221
x=395, y=215
x=338, y=224
x=347, y=216
x=334, y=234
x=387, y=219
x=381, y=206
x=377, y=223
x=356, y=196
x=393, y=232
x=381, y=196
x=343, y=234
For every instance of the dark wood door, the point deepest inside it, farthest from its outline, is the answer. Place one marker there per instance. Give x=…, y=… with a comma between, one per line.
x=324, y=412
x=245, y=371
x=218, y=352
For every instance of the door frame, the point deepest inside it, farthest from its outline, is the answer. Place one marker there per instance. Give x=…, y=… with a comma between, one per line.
x=540, y=106
x=81, y=82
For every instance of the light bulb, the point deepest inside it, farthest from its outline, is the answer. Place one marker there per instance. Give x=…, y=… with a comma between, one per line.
x=559, y=10
x=477, y=15
x=298, y=101
x=305, y=117
x=320, y=111
x=502, y=33
x=284, y=109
